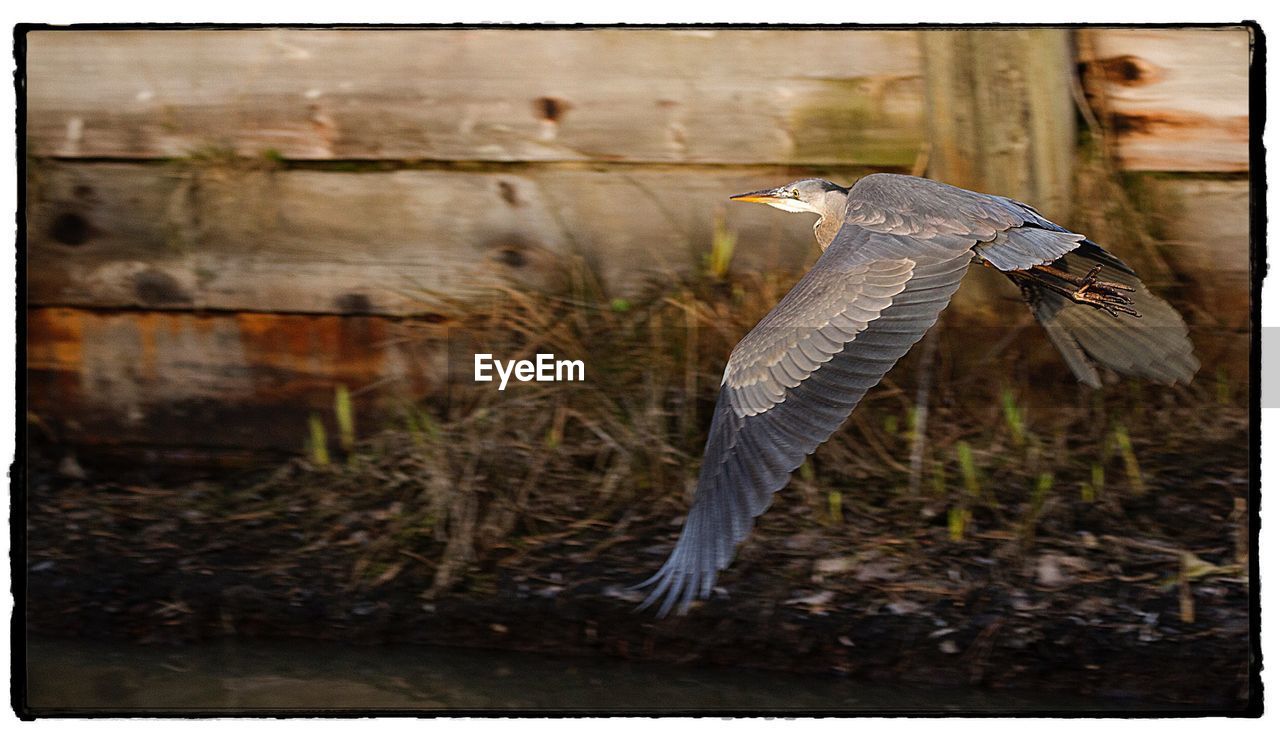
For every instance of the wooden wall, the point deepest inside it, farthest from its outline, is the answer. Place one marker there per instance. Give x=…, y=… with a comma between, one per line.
x=1175, y=109
x=223, y=225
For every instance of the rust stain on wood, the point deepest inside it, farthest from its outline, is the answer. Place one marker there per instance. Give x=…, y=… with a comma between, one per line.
x=131, y=377
x=1126, y=70
x=1173, y=126
x=291, y=356
x=1178, y=100
x=54, y=354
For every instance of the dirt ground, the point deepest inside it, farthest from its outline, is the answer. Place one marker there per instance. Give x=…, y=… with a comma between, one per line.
x=1142, y=595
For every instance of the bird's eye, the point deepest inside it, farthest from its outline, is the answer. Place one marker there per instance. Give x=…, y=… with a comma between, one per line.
x=795, y=193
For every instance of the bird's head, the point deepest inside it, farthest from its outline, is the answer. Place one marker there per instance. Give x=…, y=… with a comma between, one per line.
x=805, y=195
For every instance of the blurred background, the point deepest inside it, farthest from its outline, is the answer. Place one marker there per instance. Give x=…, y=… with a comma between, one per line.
x=259, y=263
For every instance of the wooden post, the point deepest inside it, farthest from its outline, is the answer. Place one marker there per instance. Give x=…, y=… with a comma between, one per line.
x=1000, y=114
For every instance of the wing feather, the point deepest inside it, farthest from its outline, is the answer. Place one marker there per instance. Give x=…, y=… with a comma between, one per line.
x=752, y=450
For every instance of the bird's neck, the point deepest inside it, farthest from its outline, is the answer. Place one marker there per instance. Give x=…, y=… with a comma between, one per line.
x=830, y=217
x=825, y=230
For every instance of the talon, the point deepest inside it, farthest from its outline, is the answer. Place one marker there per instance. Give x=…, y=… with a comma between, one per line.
x=1110, y=303
x=1106, y=295
x=1103, y=294
x=1116, y=298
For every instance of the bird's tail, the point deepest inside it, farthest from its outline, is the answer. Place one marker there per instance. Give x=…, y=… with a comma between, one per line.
x=1154, y=345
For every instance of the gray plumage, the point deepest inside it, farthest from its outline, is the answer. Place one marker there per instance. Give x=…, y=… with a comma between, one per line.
x=894, y=251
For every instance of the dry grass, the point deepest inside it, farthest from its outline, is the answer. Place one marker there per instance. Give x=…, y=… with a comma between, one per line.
x=480, y=471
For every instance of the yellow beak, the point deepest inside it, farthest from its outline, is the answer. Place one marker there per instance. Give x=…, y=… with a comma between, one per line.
x=763, y=196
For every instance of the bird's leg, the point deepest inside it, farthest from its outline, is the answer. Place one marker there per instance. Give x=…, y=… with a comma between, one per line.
x=1103, y=294
x=1079, y=290
x=1088, y=280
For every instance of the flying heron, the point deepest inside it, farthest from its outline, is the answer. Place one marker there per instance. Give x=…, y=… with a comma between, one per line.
x=894, y=249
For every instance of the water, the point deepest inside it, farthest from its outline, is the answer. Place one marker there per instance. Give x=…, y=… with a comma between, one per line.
x=74, y=675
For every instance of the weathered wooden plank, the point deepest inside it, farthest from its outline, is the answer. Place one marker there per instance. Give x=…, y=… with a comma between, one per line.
x=217, y=237
x=217, y=381
x=507, y=95
x=1177, y=100
x=1000, y=115
x=177, y=238
x=1202, y=226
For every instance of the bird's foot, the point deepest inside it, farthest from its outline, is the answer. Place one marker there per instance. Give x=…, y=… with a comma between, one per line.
x=1103, y=294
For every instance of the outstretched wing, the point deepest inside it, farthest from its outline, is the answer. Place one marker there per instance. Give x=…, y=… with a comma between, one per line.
x=796, y=377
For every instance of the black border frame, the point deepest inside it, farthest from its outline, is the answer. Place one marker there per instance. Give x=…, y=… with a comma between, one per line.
x=18, y=473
